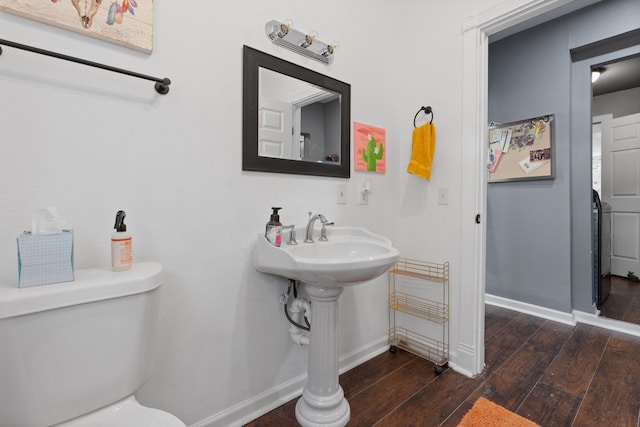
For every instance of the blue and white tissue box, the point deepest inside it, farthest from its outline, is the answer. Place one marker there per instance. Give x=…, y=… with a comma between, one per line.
x=44, y=259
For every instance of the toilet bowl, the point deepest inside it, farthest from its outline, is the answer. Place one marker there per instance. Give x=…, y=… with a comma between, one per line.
x=73, y=354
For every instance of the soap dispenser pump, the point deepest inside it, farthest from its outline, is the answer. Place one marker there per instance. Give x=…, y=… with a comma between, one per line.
x=273, y=231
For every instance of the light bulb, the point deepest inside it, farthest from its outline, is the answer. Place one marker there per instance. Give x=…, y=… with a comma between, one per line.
x=596, y=73
x=330, y=49
x=280, y=30
x=308, y=39
x=287, y=24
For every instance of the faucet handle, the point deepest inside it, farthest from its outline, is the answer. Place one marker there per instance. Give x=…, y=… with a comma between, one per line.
x=292, y=235
x=323, y=232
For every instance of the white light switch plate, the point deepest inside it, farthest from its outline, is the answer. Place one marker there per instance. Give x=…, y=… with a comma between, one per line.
x=341, y=194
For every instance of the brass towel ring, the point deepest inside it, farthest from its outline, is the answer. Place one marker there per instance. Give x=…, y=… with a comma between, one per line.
x=427, y=110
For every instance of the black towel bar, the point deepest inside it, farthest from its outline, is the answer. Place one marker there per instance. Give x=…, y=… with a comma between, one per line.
x=161, y=86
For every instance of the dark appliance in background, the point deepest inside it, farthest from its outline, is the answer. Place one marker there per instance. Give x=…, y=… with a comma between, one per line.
x=601, y=243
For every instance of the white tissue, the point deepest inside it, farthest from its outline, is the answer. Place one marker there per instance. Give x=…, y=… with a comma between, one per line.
x=45, y=221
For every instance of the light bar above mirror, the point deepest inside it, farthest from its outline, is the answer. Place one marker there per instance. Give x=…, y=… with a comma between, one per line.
x=283, y=34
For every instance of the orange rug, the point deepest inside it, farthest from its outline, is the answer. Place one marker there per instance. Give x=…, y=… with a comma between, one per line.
x=485, y=413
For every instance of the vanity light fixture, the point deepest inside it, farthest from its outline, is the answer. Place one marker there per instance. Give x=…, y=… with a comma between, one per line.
x=283, y=34
x=596, y=73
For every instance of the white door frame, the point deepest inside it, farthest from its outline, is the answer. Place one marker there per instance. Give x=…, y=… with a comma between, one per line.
x=468, y=325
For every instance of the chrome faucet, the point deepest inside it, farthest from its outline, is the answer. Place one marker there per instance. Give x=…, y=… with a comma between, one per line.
x=311, y=223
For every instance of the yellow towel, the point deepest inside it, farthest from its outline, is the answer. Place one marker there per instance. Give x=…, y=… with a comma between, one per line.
x=423, y=147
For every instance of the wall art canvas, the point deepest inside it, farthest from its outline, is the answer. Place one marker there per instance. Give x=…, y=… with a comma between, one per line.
x=125, y=22
x=369, y=146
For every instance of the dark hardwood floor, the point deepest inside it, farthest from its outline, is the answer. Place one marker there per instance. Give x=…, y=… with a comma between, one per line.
x=623, y=302
x=550, y=373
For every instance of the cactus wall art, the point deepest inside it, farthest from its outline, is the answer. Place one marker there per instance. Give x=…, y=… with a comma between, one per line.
x=369, y=148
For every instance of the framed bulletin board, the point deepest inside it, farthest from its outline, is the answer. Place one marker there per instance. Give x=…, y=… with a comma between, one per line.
x=521, y=150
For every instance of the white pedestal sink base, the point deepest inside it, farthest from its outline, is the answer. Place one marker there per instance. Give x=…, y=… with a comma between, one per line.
x=322, y=403
x=331, y=416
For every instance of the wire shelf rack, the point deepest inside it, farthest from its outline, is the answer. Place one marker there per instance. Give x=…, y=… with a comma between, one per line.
x=420, y=290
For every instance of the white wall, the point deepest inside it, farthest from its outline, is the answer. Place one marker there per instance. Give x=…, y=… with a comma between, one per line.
x=91, y=142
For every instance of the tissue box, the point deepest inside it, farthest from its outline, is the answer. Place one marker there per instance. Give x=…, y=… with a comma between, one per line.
x=45, y=258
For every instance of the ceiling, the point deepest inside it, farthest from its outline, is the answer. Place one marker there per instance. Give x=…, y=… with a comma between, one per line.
x=621, y=75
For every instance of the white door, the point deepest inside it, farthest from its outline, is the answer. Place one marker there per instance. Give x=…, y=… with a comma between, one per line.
x=275, y=137
x=621, y=190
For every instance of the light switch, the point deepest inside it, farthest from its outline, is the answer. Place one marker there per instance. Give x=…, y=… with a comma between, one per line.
x=341, y=195
x=364, y=192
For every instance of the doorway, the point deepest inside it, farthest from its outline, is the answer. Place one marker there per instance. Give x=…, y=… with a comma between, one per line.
x=467, y=335
x=616, y=178
x=520, y=87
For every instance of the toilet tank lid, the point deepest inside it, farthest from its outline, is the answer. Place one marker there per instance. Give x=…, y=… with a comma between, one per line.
x=89, y=286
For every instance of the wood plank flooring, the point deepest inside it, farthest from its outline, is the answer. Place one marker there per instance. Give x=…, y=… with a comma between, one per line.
x=550, y=373
x=623, y=302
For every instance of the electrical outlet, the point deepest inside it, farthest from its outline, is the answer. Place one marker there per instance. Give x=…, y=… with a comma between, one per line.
x=443, y=196
x=341, y=195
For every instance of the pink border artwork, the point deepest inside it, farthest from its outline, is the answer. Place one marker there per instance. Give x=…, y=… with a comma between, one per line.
x=125, y=22
x=369, y=147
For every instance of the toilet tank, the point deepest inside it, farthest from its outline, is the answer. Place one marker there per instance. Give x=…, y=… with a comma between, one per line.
x=70, y=348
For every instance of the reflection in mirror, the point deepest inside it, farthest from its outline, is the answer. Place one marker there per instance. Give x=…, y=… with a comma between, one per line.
x=312, y=112
x=294, y=119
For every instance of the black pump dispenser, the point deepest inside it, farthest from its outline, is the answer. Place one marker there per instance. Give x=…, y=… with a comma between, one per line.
x=273, y=231
x=120, y=226
x=274, y=216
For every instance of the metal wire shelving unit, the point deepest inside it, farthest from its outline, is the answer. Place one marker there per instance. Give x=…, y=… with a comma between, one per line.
x=421, y=290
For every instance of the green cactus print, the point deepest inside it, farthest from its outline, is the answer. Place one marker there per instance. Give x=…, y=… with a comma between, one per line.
x=372, y=154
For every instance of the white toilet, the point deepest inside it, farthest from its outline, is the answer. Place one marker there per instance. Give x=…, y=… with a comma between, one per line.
x=72, y=354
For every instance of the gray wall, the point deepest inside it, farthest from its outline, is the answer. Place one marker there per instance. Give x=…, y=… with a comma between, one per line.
x=538, y=232
x=312, y=122
x=621, y=103
x=332, y=127
x=322, y=122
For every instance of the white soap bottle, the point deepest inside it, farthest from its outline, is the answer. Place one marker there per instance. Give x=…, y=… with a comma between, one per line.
x=121, y=245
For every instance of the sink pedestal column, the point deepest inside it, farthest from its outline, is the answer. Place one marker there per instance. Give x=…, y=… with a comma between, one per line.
x=322, y=402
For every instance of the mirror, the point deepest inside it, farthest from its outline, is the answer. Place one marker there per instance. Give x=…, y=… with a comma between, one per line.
x=295, y=120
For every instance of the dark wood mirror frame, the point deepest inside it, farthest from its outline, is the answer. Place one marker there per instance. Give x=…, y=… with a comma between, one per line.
x=253, y=60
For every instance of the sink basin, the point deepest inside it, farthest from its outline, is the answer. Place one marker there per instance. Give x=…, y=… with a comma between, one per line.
x=352, y=255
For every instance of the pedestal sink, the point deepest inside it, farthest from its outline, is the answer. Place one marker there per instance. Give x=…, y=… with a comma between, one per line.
x=352, y=255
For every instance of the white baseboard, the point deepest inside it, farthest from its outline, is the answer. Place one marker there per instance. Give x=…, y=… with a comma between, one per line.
x=260, y=404
x=460, y=356
x=606, y=323
x=534, y=310
x=572, y=318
